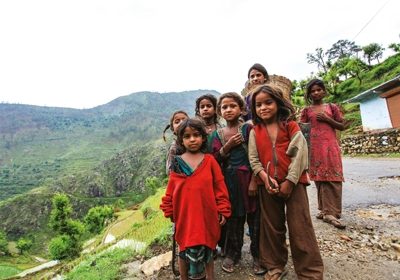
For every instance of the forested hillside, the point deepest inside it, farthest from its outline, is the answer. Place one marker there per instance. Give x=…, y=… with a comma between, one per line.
x=40, y=144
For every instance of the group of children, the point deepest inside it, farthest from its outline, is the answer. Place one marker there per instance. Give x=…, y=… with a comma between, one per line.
x=252, y=169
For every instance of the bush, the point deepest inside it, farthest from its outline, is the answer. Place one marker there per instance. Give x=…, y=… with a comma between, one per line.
x=64, y=247
x=24, y=244
x=3, y=243
x=98, y=217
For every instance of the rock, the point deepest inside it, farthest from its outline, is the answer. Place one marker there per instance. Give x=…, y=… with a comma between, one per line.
x=346, y=238
x=155, y=264
x=396, y=247
x=109, y=239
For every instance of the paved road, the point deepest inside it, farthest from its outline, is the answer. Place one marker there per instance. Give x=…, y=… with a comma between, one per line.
x=371, y=181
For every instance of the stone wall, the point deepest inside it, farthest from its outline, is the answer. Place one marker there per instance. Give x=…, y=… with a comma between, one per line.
x=387, y=141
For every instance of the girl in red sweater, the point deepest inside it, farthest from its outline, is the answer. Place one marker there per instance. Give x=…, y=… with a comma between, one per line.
x=278, y=156
x=197, y=202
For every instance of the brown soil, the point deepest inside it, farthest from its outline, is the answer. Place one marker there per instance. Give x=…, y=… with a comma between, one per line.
x=366, y=249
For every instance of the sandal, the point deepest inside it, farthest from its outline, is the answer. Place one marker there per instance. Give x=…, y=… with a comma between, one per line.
x=275, y=274
x=258, y=269
x=227, y=265
x=320, y=216
x=333, y=221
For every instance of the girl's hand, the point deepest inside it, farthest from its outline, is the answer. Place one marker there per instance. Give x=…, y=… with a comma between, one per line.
x=322, y=117
x=253, y=187
x=272, y=186
x=234, y=141
x=222, y=220
x=286, y=189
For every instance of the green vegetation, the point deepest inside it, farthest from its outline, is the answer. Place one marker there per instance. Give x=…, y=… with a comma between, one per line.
x=8, y=271
x=3, y=243
x=105, y=265
x=98, y=217
x=68, y=243
x=155, y=227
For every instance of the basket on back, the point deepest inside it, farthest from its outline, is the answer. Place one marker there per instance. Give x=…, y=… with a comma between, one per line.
x=283, y=83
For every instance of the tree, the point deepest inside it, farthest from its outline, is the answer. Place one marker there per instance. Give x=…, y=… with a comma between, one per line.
x=98, y=217
x=68, y=243
x=373, y=51
x=60, y=213
x=318, y=58
x=395, y=47
x=3, y=243
x=342, y=48
x=24, y=244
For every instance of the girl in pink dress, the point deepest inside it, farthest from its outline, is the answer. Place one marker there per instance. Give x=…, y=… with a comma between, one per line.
x=325, y=157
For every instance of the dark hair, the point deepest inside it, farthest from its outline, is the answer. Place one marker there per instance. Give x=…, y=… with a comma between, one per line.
x=171, y=120
x=210, y=98
x=195, y=124
x=285, y=109
x=310, y=84
x=260, y=68
x=235, y=96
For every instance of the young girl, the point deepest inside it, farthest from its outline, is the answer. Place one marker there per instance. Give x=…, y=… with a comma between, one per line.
x=176, y=119
x=256, y=75
x=325, y=159
x=278, y=156
x=206, y=110
x=229, y=146
x=197, y=202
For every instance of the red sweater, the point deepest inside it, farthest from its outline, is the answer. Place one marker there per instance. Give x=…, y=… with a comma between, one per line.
x=265, y=153
x=194, y=203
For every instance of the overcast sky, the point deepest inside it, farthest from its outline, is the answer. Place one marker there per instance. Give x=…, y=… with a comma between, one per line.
x=84, y=53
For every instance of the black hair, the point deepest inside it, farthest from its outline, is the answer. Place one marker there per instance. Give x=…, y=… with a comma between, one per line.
x=235, y=96
x=171, y=120
x=285, y=108
x=213, y=101
x=195, y=124
x=310, y=84
x=260, y=68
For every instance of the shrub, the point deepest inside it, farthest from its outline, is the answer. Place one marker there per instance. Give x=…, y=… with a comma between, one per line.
x=64, y=247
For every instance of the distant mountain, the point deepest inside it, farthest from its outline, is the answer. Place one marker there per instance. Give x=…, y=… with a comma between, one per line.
x=40, y=144
x=96, y=156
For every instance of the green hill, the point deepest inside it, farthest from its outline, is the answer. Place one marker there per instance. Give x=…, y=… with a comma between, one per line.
x=40, y=144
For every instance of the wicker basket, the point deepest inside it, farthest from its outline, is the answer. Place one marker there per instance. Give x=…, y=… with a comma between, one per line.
x=283, y=83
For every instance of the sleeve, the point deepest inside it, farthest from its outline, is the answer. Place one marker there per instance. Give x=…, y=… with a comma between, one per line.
x=304, y=115
x=220, y=191
x=215, y=146
x=298, y=153
x=166, y=200
x=254, y=160
x=170, y=156
x=336, y=113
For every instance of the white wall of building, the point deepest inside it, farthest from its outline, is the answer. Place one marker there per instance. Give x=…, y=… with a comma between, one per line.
x=375, y=114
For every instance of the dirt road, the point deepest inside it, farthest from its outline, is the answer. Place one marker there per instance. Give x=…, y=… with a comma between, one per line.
x=369, y=247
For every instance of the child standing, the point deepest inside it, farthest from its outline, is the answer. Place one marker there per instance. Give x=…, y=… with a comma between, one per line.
x=325, y=157
x=176, y=119
x=197, y=202
x=256, y=75
x=278, y=156
x=229, y=146
x=206, y=110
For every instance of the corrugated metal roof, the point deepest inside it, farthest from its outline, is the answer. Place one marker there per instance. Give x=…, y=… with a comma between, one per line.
x=375, y=91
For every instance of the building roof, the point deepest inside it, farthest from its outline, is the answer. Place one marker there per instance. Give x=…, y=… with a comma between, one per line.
x=376, y=91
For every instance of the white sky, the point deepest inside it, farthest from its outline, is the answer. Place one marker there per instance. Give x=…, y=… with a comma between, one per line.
x=84, y=53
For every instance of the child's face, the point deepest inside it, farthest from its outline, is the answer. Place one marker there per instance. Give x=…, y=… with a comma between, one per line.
x=192, y=140
x=256, y=77
x=317, y=93
x=230, y=109
x=206, y=109
x=177, y=120
x=266, y=107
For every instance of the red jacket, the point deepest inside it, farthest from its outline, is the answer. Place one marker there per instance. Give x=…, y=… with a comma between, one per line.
x=194, y=202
